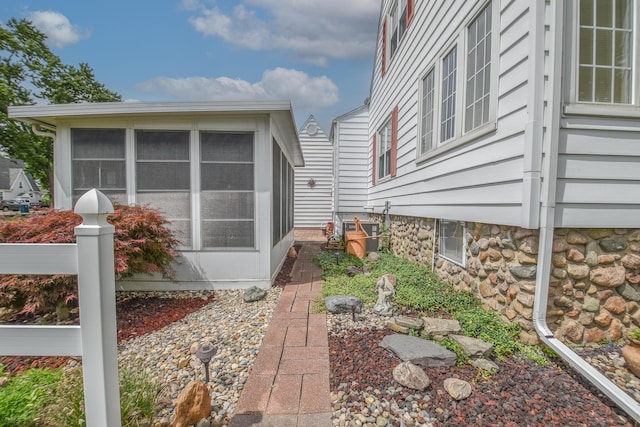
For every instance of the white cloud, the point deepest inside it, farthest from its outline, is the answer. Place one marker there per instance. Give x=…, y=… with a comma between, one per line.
x=314, y=30
x=57, y=27
x=280, y=83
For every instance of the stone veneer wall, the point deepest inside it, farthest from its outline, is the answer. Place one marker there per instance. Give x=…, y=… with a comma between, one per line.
x=593, y=294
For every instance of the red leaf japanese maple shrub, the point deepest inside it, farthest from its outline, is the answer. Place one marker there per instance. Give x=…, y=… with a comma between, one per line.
x=142, y=244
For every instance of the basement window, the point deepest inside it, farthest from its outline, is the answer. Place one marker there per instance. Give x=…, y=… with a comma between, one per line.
x=452, y=242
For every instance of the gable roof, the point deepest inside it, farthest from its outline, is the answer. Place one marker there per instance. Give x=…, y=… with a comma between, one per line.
x=5, y=171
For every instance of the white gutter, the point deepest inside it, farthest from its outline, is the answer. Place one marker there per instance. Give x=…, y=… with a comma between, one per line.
x=547, y=211
x=41, y=130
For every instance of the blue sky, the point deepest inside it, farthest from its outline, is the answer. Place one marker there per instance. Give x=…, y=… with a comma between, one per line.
x=318, y=53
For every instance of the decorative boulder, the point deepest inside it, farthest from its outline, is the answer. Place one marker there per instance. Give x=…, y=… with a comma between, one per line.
x=192, y=405
x=373, y=256
x=343, y=304
x=473, y=347
x=254, y=294
x=457, y=389
x=409, y=375
x=418, y=351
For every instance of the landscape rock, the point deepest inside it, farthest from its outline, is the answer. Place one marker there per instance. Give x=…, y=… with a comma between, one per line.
x=485, y=364
x=409, y=322
x=373, y=256
x=457, y=389
x=438, y=328
x=473, y=347
x=392, y=325
x=254, y=294
x=418, y=351
x=292, y=253
x=193, y=404
x=409, y=375
x=343, y=304
x=352, y=270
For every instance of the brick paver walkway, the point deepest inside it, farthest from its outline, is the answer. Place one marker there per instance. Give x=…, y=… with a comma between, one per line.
x=289, y=383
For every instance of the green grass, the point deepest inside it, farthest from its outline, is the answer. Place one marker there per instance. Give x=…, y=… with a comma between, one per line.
x=137, y=399
x=22, y=399
x=56, y=397
x=422, y=290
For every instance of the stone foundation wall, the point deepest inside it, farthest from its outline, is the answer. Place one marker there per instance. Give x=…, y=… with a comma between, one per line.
x=594, y=284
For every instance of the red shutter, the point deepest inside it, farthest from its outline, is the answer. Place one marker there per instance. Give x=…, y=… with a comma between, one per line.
x=410, y=7
x=375, y=160
x=384, y=47
x=394, y=142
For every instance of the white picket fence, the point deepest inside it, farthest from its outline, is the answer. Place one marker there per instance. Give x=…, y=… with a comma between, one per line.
x=92, y=259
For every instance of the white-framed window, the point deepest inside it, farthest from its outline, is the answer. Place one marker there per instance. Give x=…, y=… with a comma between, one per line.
x=606, y=51
x=448, y=106
x=459, y=90
x=478, y=78
x=163, y=177
x=428, y=96
x=452, y=244
x=385, y=136
x=398, y=20
x=98, y=161
x=227, y=195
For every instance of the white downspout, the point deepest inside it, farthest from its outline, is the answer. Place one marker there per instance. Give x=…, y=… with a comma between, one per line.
x=547, y=210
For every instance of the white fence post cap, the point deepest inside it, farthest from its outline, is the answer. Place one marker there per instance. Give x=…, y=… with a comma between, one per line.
x=93, y=202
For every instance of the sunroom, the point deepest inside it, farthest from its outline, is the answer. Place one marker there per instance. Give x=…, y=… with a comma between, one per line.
x=221, y=173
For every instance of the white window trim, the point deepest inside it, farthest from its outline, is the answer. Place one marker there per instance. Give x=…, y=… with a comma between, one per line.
x=575, y=107
x=389, y=35
x=463, y=262
x=460, y=137
x=389, y=123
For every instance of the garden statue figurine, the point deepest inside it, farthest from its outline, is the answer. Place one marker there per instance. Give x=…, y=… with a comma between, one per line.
x=386, y=287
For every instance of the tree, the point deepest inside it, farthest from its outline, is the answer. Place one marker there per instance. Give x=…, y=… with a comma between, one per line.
x=30, y=72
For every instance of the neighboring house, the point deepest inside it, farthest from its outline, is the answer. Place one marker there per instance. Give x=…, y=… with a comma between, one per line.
x=349, y=134
x=15, y=183
x=221, y=172
x=314, y=181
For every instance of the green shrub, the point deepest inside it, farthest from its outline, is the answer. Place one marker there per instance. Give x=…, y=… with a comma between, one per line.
x=24, y=396
x=420, y=289
x=142, y=244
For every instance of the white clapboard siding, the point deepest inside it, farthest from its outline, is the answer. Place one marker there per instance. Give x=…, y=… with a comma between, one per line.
x=350, y=133
x=313, y=203
x=481, y=180
x=598, y=174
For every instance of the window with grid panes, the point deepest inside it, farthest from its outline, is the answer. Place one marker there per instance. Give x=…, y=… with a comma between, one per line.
x=163, y=177
x=98, y=161
x=448, y=106
x=227, y=190
x=385, y=135
x=452, y=246
x=478, y=79
x=428, y=91
x=398, y=18
x=606, y=51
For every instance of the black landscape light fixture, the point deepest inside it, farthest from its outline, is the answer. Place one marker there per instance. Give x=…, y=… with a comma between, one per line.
x=205, y=353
